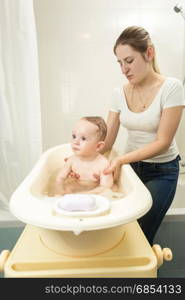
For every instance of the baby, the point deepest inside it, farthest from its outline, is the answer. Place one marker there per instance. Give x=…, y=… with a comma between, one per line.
x=88, y=138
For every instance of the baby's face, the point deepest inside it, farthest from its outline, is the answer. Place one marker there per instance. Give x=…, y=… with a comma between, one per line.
x=84, y=138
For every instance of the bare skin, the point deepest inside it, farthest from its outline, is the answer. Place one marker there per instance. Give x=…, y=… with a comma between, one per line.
x=85, y=162
x=145, y=82
x=83, y=179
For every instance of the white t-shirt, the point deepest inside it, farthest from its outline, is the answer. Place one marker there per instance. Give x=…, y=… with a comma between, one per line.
x=142, y=127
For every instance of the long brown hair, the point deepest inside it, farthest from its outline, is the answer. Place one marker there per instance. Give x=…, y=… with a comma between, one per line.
x=139, y=39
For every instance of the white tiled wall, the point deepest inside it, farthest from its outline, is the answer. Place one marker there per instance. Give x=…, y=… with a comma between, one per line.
x=78, y=69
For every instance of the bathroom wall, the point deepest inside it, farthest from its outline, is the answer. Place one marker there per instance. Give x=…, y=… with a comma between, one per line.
x=180, y=133
x=78, y=69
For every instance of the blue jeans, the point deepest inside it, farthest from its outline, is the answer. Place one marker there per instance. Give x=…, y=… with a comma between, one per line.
x=161, y=181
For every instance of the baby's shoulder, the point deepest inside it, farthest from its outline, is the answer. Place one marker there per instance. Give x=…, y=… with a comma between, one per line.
x=103, y=160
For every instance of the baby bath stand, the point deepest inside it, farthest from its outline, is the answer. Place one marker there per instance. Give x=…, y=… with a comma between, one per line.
x=43, y=253
x=109, y=244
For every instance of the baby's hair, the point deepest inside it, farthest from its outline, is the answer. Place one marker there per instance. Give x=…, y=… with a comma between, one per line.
x=100, y=123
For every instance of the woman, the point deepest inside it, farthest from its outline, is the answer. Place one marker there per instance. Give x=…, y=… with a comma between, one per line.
x=149, y=106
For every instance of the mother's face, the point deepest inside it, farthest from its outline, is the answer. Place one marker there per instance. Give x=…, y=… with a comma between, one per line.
x=133, y=65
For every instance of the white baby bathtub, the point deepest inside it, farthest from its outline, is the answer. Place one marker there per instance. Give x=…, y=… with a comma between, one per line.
x=28, y=204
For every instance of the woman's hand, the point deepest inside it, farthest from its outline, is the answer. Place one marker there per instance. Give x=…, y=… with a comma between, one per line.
x=115, y=168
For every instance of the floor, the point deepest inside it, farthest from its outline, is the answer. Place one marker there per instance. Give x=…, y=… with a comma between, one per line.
x=171, y=235
x=8, y=238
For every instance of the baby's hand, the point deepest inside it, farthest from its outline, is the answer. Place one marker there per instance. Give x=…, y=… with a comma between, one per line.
x=97, y=177
x=73, y=174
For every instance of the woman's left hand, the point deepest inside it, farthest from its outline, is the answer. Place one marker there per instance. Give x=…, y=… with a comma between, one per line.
x=114, y=168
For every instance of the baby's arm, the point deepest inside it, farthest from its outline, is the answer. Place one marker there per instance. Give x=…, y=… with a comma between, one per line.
x=103, y=187
x=106, y=181
x=62, y=175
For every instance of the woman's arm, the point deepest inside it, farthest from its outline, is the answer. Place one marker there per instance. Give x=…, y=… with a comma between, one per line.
x=168, y=125
x=113, y=124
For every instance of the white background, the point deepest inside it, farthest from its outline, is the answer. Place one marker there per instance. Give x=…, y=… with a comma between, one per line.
x=78, y=69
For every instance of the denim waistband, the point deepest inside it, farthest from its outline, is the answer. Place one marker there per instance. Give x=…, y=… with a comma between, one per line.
x=160, y=163
x=149, y=170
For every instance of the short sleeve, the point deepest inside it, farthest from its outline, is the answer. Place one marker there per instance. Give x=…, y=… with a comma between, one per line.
x=173, y=94
x=116, y=100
